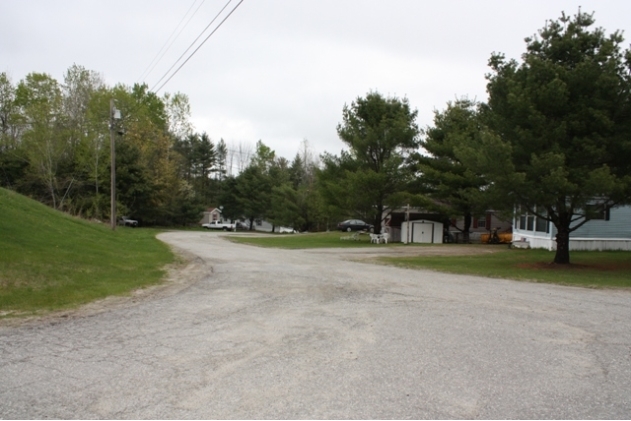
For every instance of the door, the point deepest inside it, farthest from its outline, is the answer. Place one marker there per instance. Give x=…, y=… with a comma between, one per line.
x=422, y=233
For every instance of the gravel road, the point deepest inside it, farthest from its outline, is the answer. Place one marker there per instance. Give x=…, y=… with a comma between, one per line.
x=248, y=332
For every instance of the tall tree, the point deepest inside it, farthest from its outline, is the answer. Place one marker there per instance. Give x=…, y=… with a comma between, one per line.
x=255, y=183
x=305, y=200
x=85, y=108
x=39, y=98
x=13, y=162
x=178, y=110
x=91, y=158
x=380, y=133
x=10, y=122
x=145, y=129
x=78, y=88
x=222, y=156
x=454, y=188
x=203, y=163
x=253, y=191
x=562, y=119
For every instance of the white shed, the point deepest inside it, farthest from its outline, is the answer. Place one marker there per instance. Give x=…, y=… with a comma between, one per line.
x=422, y=231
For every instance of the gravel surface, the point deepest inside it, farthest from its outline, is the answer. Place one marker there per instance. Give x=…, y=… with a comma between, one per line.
x=249, y=332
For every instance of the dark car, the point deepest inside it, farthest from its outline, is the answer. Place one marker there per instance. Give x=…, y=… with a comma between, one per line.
x=354, y=225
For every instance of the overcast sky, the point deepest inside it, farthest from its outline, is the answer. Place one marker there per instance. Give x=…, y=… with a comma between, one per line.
x=282, y=70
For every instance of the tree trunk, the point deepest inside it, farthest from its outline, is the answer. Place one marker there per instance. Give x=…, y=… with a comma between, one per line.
x=562, y=255
x=377, y=220
x=467, y=226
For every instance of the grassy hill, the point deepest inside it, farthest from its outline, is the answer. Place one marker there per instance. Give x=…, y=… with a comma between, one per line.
x=50, y=260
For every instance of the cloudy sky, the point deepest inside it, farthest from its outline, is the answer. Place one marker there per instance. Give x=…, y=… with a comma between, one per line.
x=282, y=70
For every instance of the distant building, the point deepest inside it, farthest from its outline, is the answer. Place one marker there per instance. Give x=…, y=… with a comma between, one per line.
x=210, y=215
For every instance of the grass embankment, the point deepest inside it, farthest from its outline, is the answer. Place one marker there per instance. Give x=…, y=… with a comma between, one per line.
x=308, y=241
x=50, y=261
x=588, y=269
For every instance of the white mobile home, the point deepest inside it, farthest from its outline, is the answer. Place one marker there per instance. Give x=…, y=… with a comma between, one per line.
x=609, y=231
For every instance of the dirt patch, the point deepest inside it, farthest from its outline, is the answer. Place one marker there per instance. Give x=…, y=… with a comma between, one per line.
x=408, y=251
x=610, y=267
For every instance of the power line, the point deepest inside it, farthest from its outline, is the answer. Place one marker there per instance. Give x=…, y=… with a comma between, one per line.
x=193, y=43
x=158, y=56
x=197, y=49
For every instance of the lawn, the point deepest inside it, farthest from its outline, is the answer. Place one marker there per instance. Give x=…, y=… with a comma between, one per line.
x=50, y=261
x=588, y=269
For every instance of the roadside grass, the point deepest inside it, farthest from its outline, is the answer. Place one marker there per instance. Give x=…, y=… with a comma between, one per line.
x=611, y=269
x=308, y=240
x=52, y=261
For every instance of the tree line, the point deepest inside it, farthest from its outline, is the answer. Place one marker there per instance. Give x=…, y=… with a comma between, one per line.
x=54, y=147
x=553, y=140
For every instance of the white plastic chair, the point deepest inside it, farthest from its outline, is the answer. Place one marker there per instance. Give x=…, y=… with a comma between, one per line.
x=374, y=238
x=385, y=237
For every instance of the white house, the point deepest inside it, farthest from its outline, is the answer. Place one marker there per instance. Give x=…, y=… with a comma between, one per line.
x=210, y=215
x=609, y=231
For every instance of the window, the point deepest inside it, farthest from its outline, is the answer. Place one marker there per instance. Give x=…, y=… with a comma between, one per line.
x=542, y=225
x=482, y=222
x=530, y=222
x=522, y=222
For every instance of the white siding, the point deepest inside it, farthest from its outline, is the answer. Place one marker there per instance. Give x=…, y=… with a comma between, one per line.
x=614, y=234
x=422, y=231
x=618, y=225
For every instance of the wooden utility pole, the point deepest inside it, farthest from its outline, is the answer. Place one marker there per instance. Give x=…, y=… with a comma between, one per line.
x=112, y=166
x=409, y=227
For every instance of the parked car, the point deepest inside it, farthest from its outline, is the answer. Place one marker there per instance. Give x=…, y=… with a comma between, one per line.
x=126, y=221
x=217, y=225
x=354, y=225
x=241, y=226
x=286, y=230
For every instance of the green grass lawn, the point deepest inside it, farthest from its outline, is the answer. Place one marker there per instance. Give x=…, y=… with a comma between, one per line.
x=308, y=240
x=50, y=261
x=588, y=269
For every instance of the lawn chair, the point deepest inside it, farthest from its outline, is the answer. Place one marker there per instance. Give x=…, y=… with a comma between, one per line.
x=385, y=237
x=374, y=238
x=353, y=237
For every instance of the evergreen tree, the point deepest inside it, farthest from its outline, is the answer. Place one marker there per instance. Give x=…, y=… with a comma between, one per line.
x=456, y=190
x=561, y=121
x=370, y=177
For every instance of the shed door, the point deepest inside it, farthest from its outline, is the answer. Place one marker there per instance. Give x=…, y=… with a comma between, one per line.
x=422, y=233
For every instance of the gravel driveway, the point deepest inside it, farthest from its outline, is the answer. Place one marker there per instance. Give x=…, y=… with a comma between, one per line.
x=248, y=332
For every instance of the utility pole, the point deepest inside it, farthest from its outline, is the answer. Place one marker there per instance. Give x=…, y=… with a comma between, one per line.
x=409, y=227
x=114, y=115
